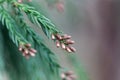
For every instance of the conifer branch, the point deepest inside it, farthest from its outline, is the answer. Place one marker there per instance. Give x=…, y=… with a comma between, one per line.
x=9, y=24
x=15, y=36
x=24, y=37
x=46, y=54
x=48, y=27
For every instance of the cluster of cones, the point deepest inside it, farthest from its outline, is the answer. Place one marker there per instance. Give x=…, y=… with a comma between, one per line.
x=68, y=76
x=26, y=50
x=64, y=41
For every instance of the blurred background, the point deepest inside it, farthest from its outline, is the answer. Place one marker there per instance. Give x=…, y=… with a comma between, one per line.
x=94, y=25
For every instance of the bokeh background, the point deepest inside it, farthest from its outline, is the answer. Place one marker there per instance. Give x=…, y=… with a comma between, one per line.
x=94, y=25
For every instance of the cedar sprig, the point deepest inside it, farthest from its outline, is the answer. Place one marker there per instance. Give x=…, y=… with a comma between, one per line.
x=48, y=28
x=9, y=24
x=15, y=36
x=47, y=56
x=62, y=40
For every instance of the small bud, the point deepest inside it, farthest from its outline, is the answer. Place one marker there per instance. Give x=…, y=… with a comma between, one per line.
x=57, y=43
x=72, y=49
x=63, y=76
x=63, y=45
x=53, y=36
x=58, y=37
x=26, y=51
x=69, y=75
x=20, y=48
x=33, y=50
x=32, y=54
x=65, y=36
x=68, y=49
x=70, y=42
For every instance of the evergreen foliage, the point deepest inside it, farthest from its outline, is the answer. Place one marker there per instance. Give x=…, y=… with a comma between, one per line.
x=18, y=37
